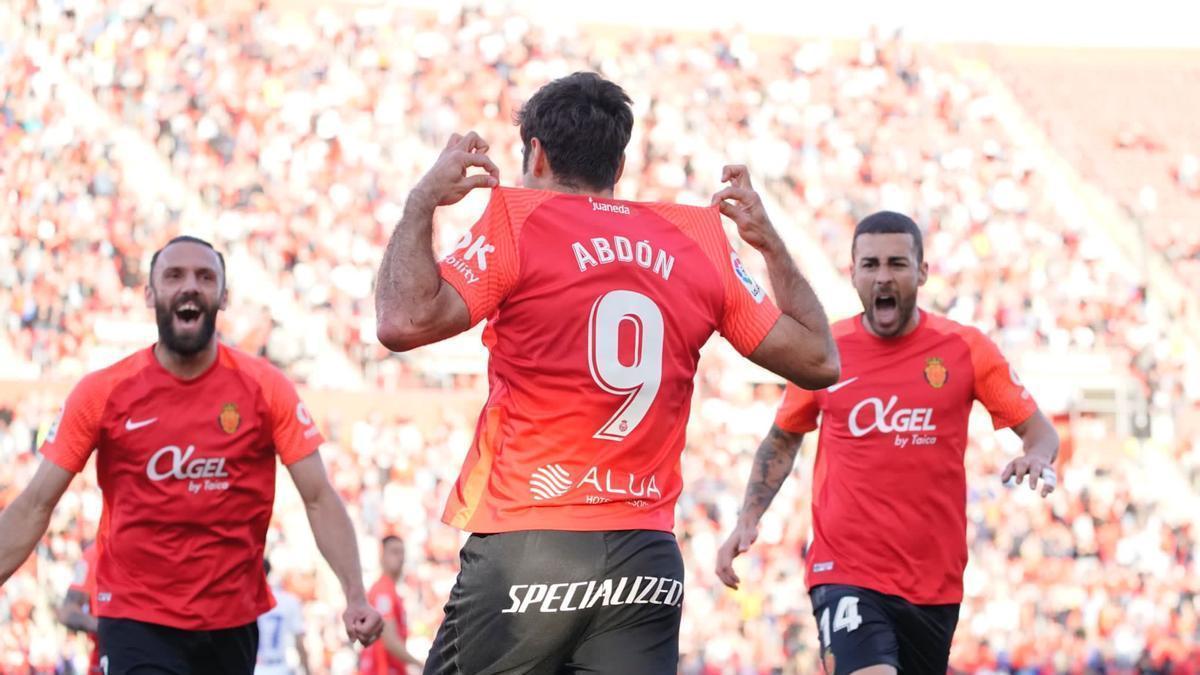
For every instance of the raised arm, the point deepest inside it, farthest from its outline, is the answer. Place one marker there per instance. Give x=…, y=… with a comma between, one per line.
x=772, y=465
x=25, y=520
x=800, y=347
x=414, y=306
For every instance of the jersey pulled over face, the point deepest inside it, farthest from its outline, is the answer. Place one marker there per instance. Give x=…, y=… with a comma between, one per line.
x=187, y=468
x=889, y=485
x=597, y=310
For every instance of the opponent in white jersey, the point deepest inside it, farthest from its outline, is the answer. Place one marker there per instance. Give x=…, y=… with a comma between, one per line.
x=281, y=631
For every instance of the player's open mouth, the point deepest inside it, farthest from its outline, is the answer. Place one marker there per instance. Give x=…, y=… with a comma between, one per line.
x=188, y=313
x=885, y=307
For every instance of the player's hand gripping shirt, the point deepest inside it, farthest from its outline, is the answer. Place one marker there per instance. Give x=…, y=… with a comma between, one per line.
x=889, y=485
x=596, y=312
x=187, y=468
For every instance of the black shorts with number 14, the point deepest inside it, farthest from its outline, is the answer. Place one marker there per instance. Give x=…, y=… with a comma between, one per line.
x=859, y=628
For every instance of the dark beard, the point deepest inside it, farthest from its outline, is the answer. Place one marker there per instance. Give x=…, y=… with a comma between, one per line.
x=185, y=345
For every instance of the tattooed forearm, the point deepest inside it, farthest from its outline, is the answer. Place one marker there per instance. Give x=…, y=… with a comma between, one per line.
x=772, y=465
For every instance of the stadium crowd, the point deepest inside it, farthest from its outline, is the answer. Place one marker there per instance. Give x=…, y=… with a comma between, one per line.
x=299, y=134
x=1141, y=153
x=293, y=137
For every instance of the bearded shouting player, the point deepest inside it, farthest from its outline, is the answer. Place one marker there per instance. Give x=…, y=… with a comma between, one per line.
x=186, y=434
x=596, y=309
x=889, y=486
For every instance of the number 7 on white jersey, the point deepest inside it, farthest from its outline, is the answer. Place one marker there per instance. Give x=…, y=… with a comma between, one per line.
x=638, y=382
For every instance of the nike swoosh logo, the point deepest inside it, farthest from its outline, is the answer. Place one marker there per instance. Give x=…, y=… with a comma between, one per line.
x=839, y=385
x=130, y=425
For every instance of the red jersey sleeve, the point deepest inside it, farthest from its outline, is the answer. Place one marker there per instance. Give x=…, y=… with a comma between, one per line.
x=76, y=432
x=292, y=428
x=798, y=411
x=484, y=264
x=749, y=313
x=997, y=386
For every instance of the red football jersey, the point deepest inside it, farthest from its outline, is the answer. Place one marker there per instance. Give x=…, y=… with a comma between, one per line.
x=889, y=485
x=85, y=583
x=596, y=311
x=187, y=468
x=375, y=659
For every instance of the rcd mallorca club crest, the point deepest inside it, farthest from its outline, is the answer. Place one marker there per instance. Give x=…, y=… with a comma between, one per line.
x=936, y=373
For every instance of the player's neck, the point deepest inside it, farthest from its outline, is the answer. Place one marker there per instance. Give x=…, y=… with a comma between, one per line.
x=555, y=186
x=186, y=367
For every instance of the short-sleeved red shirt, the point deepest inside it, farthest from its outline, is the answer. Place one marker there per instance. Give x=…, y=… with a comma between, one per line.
x=187, y=468
x=596, y=312
x=889, y=485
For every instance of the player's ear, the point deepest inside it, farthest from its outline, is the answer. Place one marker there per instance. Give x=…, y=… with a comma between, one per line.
x=149, y=292
x=620, y=168
x=538, y=164
x=922, y=273
x=224, y=297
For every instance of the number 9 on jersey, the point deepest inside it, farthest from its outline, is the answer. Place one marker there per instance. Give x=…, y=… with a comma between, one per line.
x=639, y=380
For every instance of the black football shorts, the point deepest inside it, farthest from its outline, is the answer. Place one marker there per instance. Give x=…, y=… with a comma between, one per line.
x=139, y=648
x=859, y=627
x=550, y=602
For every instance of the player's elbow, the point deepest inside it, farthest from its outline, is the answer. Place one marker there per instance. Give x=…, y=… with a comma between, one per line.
x=398, y=335
x=820, y=373
x=393, y=339
x=830, y=372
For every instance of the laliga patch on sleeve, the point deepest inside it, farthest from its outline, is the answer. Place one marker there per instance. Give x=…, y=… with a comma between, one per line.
x=1012, y=373
x=52, y=433
x=748, y=281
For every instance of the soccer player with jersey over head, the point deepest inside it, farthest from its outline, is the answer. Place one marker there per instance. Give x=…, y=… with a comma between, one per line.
x=389, y=655
x=597, y=309
x=186, y=433
x=889, y=487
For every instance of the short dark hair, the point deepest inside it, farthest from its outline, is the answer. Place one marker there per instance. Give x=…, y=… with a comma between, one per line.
x=390, y=538
x=188, y=239
x=583, y=122
x=890, y=222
